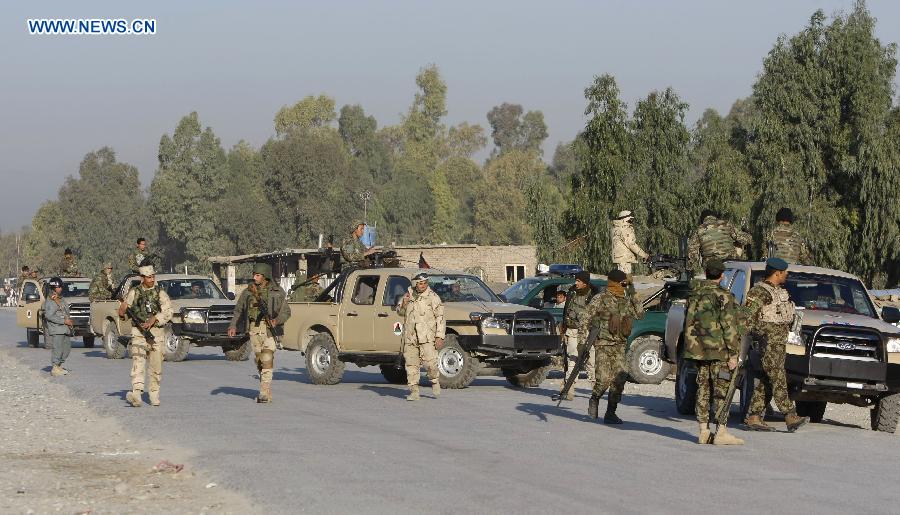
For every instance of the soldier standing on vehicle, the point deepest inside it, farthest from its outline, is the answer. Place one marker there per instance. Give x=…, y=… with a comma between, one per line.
x=785, y=242
x=25, y=275
x=612, y=312
x=136, y=259
x=68, y=267
x=577, y=300
x=59, y=327
x=769, y=312
x=102, y=286
x=423, y=334
x=715, y=239
x=150, y=310
x=625, y=250
x=353, y=250
x=264, y=304
x=306, y=289
x=712, y=340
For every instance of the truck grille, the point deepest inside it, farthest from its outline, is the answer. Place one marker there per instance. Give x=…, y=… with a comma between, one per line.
x=855, y=344
x=526, y=324
x=220, y=314
x=80, y=313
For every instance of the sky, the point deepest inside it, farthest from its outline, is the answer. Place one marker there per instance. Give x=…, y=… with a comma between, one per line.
x=237, y=62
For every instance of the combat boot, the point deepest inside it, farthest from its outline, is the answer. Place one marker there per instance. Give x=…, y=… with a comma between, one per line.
x=723, y=437
x=610, y=416
x=594, y=407
x=570, y=395
x=265, y=393
x=413, y=393
x=756, y=423
x=704, y=434
x=134, y=397
x=436, y=388
x=64, y=371
x=154, y=398
x=794, y=421
x=56, y=371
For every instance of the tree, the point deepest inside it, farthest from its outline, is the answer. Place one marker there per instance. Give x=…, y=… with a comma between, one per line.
x=511, y=130
x=543, y=211
x=565, y=164
x=423, y=121
x=500, y=203
x=309, y=113
x=445, y=225
x=45, y=242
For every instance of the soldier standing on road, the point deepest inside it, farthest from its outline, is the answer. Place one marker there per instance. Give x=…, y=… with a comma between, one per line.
x=625, y=250
x=712, y=339
x=423, y=334
x=266, y=292
x=785, y=242
x=612, y=312
x=102, y=286
x=715, y=239
x=353, y=250
x=136, y=259
x=59, y=327
x=68, y=267
x=306, y=289
x=577, y=300
x=769, y=312
x=152, y=310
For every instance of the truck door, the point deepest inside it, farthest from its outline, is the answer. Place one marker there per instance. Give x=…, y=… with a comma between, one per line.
x=358, y=314
x=30, y=305
x=387, y=322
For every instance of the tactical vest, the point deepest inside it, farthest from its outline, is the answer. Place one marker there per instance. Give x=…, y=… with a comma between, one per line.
x=780, y=310
x=715, y=242
x=253, y=305
x=146, y=303
x=576, y=306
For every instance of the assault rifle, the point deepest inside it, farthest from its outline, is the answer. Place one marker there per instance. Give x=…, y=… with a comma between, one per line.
x=579, y=365
x=264, y=315
x=149, y=259
x=737, y=375
x=136, y=322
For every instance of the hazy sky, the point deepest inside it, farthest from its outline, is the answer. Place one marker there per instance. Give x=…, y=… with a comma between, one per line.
x=236, y=63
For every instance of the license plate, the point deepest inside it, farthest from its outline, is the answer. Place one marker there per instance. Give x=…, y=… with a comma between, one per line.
x=855, y=385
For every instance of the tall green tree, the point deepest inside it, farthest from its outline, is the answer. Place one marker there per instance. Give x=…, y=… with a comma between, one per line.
x=309, y=113
x=510, y=129
x=500, y=203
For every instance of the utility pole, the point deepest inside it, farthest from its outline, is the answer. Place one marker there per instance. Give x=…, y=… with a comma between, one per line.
x=366, y=196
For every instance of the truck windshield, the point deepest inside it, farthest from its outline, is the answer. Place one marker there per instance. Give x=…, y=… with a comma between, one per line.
x=76, y=288
x=826, y=292
x=191, y=289
x=460, y=288
x=516, y=293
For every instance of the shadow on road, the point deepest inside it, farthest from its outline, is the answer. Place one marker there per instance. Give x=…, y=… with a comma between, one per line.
x=120, y=394
x=543, y=411
x=95, y=354
x=385, y=391
x=248, y=393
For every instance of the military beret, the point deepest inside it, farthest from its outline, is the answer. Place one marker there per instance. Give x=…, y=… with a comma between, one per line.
x=263, y=269
x=146, y=271
x=777, y=264
x=616, y=276
x=714, y=267
x=583, y=276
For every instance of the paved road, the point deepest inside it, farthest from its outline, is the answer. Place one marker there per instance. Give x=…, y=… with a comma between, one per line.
x=359, y=447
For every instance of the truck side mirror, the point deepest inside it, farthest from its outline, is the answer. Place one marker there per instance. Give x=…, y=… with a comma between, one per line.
x=230, y=295
x=890, y=314
x=32, y=297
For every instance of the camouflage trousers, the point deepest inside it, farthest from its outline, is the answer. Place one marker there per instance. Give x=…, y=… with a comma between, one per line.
x=571, y=339
x=773, y=381
x=143, y=351
x=610, y=371
x=415, y=354
x=709, y=382
x=264, y=349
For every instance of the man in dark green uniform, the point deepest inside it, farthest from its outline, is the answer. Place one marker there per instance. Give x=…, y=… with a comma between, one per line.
x=577, y=299
x=306, y=289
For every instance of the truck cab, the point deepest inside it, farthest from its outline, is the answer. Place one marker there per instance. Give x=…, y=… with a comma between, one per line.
x=30, y=309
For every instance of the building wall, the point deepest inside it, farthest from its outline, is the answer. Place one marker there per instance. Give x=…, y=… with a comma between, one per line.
x=492, y=259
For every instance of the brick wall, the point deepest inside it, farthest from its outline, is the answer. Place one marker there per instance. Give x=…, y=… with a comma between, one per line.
x=492, y=259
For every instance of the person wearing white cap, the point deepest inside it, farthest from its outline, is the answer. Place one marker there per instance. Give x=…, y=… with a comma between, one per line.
x=625, y=250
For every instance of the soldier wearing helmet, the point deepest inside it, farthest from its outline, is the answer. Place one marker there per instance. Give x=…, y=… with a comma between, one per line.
x=423, y=334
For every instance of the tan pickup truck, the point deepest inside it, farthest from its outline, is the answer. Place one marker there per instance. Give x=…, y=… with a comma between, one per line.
x=30, y=310
x=355, y=321
x=201, y=317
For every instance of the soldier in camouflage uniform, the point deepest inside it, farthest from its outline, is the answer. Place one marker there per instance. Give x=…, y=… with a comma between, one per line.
x=424, y=329
x=712, y=340
x=306, y=289
x=769, y=313
x=353, y=250
x=612, y=311
x=577, y=300
x=135, y=260
x=785, y=242
x=68, y=267
x=24, y=276
x=102, y=286
x=625, y=250
x=153, y=309
x=715, y=239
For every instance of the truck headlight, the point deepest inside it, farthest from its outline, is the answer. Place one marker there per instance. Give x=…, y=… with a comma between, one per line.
x=893, y=344
x=194, y=316
x=491, y=323
x=795, y=338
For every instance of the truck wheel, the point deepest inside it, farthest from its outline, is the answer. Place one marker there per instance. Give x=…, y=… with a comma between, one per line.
x=241, y=353
x=32, y=337
x=88, y=340
x=114, y=349
x=175, y=347
x=886, y=413
x=457, y=368
x=644, y=359
x=685, y=388
x=322, y=362
x=530, y=379
x=815, y=410
x=393, y=374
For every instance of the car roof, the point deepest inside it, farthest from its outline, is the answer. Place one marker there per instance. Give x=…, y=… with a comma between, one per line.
x=409, y=271
x=176, y=277
x=64, y=279
x=755, y=266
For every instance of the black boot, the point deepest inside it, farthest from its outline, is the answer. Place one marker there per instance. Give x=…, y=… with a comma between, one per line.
x=594, y=407
x=610, y=416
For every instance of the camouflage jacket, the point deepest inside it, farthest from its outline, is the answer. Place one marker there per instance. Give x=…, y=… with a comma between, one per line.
x=788, y=245
x=607, y=307
x=576, y=305
x=353, y=251
x=711, y=323
x=423, y=317
x=101, y=287
x=716, y=239
x=760, y=303
x=247, y=308
x=305, y=290
x=134, y=261
x=148, y=302
x=68, y=267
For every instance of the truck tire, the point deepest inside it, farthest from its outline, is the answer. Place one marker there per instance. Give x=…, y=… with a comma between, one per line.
x=685, y=388
x=88, y=340
x=114, y=349
x=886, y=413
x=815, y=410
x=530, y=379
x=241, y=353
x=393, y=374
x=175, y=348
x=32, y=337
x=645, y=362
x=457, y=368
x=322, y=362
